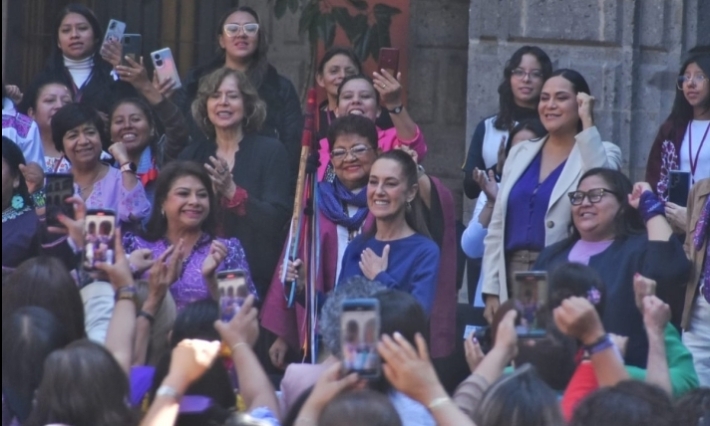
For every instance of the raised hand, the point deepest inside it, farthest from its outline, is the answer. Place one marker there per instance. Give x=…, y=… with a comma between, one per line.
x=134, y=73
x=243, y=328
x=585, y=105
x=578, y=318
x=389, y=88
x=372, y=265
x=487, y=182
x=643, y=287
x=34, y=176
x=637, y=192
x=221, y=177
x=112, y=51
x=14, y=93
x=119, y=273
x=119, y=153
x=167, y=87
x=190, y=360
x=656, y=314
x=474, y=353
x=218, y=252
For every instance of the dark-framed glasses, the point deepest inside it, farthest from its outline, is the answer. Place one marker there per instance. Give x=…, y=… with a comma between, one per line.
x=521, y=74
x=233, y=30
x=698, y=79
x=357, y=151
x=594, y=196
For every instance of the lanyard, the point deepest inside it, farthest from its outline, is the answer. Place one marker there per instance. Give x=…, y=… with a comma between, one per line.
x=694, y=164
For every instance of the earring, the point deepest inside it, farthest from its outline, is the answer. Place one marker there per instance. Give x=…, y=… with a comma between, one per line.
x=409, y=206
x=18, y=202
x=162, y=213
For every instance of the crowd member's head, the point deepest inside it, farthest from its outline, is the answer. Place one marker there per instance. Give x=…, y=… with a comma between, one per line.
x=184, y=200
x=693, y=88
x=360, y=408
x=161, y=326
x=228, y=101
x=519, y=399
x=46, y=283
x=131, y=122
x=353, y=149
x=693, y=406
x=558, y=107
x=576, y=280
x=357, y=95
x=78, y=33
x=523, y=76
x=82, y=385
x=630, y=403
x=243, y=43
x=78, y=133
x=43, y=99
x=526, y=130
x=337, y=64
x=29, y=335
x=14, y=187
x=392, y=191
x=601, y=209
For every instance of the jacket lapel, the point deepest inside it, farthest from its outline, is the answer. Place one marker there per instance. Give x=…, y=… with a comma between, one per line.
x=570, y=173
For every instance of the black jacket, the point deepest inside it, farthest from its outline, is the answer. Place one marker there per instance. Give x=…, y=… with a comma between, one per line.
x=664, y=262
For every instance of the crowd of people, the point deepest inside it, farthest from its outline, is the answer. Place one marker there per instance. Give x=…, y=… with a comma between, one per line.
x=114, y=307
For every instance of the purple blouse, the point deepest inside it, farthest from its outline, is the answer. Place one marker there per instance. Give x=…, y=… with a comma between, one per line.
x=527, y=206
x=110, y=194
x=191, y=285
x=582, y=251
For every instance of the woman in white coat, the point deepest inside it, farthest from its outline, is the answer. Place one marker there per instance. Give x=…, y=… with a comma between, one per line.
x=531, y=211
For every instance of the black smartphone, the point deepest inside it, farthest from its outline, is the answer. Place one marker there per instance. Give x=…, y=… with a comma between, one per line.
x=58, y=187
x=233, y=292
x=359, y=335
x=530, y=292
x=99, y=238
x=132, y=47
x=678, y=187
x=389, y=60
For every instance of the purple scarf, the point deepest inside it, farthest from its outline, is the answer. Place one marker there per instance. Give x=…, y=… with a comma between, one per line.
x=702, y=233
x=334, y=199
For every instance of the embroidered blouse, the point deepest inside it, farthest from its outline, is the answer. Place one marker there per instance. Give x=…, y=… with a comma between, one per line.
x=110, y=193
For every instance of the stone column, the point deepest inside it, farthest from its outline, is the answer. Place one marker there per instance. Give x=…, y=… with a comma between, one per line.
x=4, y=33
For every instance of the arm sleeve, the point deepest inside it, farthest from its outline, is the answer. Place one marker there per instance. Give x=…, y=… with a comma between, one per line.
x=177, y=135
x=133, y=204
x=475, y=233
x=291, y=128
x=474, y=159
x=424, y=278
x=666, y=262
x=272, y=206
x=470, y=393
x=418, y=144
x=596, y=153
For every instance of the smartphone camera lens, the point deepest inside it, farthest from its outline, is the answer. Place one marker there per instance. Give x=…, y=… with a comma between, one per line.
x=158, y=63
x=157, y=57
x=113, y=25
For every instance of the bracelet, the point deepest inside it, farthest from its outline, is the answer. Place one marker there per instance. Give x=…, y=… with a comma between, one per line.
x=651, y=206
x=438, y=402
x=237, y=345
x=127, y=293
x=147, y=316
x=39, y=199
x=600, y=345
x=167, y=392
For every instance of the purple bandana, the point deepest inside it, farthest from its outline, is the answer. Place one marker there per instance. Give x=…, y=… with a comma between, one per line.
x=702, y=231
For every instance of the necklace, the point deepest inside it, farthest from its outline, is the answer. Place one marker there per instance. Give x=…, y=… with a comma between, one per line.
x=90, y=186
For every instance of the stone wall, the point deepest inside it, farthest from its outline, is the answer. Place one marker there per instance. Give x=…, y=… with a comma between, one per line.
x=4, y=33
x=629, y=51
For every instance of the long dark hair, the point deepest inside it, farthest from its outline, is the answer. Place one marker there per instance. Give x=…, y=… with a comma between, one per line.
x=506, y=100
x=12, y=154
x=579, y=84
x=157, y=225
x=56, y=59
x=415, y=215
x=682, y=111
x=628, y=220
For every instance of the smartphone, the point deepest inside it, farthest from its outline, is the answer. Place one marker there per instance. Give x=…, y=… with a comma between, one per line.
x=359, y=334
x=99, y=234
x=233, y=292
x=389, y=60
x=165, y=66
x=115, y=30
x=58, y=188
x=132, y=47
x=678, y=187
x=530, y=292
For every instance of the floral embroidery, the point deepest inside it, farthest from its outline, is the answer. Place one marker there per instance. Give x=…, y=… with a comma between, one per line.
x=669, y=162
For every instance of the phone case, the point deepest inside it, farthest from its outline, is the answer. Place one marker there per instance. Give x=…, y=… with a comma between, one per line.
x=360, y=333
x=389, y=60
x=678, y=188
x=132, y=46
x=233, y=292
x=165, y=66
x=530, y=292
x=115, y=30
x=99, y=244
x=58, y=188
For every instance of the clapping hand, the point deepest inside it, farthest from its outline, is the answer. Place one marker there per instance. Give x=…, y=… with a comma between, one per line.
x=218, y=252
x=221, y=177
x=487, y=182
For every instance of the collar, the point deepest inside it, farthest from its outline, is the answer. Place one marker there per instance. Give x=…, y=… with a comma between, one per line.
x=8, y=107
x=82, y=64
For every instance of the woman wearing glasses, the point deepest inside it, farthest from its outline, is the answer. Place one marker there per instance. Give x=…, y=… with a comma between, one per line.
x=518, y=96
x=683, y=142
x=530, y=212
x=609, y=217
x=243, y=47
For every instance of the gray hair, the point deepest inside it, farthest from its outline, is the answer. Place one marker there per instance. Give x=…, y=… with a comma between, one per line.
x=355, y=287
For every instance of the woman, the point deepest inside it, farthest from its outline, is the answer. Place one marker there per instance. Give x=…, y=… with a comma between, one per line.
x=184, y=221
x=337, y=64
x=77, y=60
x=247, y=170
x=361, y=95
x=21, y=130
x=131, y=121
x=94, y=389
x=529, y=213
x=682, y=141
x=77, y=132
x=518, y=97
x=243, y=47
x=41, y=102
x=696, y=314
x=399, y=253
x=608, y=229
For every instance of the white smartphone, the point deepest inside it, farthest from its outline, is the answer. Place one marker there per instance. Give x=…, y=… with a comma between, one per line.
x=165, y=66
x=115, y=30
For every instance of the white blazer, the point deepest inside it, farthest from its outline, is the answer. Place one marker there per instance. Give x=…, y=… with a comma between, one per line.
x=588, y=152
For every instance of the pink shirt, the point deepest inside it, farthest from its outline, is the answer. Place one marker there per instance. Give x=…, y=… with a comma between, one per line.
x=584, y=250
x=387, y=141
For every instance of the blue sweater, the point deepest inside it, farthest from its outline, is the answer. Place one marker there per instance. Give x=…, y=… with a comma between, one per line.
x=413, y=265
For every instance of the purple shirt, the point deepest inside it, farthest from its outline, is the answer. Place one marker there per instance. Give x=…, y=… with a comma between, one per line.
x=109, y=193
x=527, y=207
x=582, y=251
x=191, y=285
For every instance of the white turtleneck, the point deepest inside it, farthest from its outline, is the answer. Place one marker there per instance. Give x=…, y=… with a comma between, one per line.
x=79, y=70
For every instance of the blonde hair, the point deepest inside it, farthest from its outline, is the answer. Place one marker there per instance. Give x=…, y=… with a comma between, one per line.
x=254, y=107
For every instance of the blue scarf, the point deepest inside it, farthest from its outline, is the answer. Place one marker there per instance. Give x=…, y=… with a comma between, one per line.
x=334, y=199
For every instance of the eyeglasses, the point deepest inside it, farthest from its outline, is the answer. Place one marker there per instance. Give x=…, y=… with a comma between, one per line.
x=594, y=196
x=698, y=79
x=521, y=74
x=357, y=151
x=233, y=30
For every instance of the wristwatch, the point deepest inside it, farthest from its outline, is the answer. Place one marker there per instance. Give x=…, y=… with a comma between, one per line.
x=397, y=110
x=129, y=167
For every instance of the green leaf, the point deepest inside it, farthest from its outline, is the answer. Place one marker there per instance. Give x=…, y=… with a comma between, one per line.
x=375, y=44
x=342, y=16
x=280, y=8
x=309, y=19
x=326, y=29
x=383, y=18
x=361, y=43
x=293, y=6
x=359, y=4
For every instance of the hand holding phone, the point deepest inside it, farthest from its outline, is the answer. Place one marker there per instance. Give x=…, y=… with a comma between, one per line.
x=58, y=189
x=115, y=31
x=233, y=291
x=389, y=60
x=165, y=68
x=678, y=187
x=360, y=334
x=99, y=240
x=530, y=292
x=132, y=47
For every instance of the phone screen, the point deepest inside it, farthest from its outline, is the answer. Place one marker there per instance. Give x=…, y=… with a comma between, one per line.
x=58, y=188
x=99, y=245
x=233, y=292
x=530, y=292
x=678, y=187
x=360, y=333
